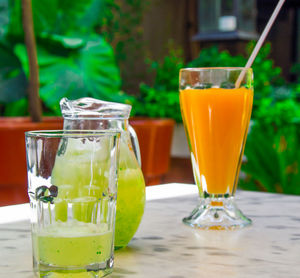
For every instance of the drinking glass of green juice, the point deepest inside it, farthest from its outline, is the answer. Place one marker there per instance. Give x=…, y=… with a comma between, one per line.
x=72, y=186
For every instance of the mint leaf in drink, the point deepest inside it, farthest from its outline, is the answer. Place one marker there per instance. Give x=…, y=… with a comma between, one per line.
x=227, y=85
x=203, y=86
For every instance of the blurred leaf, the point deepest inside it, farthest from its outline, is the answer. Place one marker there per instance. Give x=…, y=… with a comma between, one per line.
x=58, y=42
x=61, y=17
x=158, y=103
x=296, y=70
x=13, y=81
x=273, y=159
x=162, y=100
x=93, y=15
x=4, y=16
x=87, y=71
x=262, y=163
x=17, y=108
x=273, y=145
x=10, y=15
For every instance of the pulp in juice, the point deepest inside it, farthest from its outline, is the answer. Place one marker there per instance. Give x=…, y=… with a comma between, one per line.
x=74, y=244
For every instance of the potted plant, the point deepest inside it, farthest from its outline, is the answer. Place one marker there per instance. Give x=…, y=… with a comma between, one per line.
x=155, y=138
x=73, y=61
x=57, y=59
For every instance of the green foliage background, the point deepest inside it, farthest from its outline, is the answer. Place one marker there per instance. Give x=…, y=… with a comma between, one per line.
x=74, y=59
x=162, y=99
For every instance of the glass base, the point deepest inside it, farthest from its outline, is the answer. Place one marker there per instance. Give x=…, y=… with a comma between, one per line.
x=217, y=214
x=91, y=271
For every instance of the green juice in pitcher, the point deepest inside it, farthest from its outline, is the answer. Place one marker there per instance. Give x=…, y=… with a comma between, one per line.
x=130, y=205
x=83, y=187
x=80, y=174
x=92, y=114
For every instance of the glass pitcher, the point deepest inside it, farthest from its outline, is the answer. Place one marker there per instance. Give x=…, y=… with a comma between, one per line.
x=90, y=114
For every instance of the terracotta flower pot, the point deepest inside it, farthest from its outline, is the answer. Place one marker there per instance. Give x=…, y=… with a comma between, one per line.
x=155, y=139
x=13, y=171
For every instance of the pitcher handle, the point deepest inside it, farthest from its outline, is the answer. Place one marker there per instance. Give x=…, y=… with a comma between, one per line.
x=135, y=144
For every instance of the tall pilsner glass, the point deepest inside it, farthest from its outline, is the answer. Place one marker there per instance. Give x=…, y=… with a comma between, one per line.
x=216, y=117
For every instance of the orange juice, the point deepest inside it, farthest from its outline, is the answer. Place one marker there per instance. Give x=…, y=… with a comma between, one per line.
x=216, y=121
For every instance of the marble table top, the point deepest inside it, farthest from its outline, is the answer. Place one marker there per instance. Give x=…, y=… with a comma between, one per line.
x=165, y=247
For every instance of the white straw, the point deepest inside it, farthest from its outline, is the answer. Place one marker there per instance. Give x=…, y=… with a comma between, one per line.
x=260, y=42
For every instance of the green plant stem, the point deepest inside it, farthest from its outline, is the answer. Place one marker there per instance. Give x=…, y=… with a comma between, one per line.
x=35, y=107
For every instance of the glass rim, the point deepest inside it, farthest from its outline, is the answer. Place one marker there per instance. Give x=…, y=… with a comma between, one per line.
x=216, y=68
x=76, y=133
